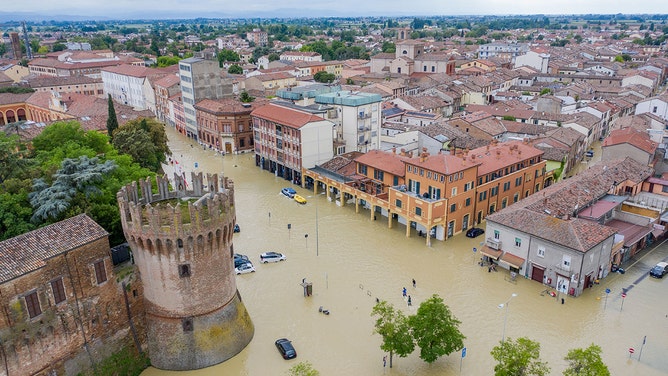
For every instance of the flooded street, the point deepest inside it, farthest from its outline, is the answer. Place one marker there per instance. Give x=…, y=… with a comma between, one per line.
x=352, y=260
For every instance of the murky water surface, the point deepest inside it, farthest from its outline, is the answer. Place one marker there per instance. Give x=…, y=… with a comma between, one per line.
x=352, y=260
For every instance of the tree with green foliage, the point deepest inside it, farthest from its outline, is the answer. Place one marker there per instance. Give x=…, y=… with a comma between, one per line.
x=303, y=369
x=227, y=55
x=545, y=91
x=586, y=362
x=389, y=47
x=67, y=140
x=75, y=177
x=393, y=327
x=436, y=330
x=112, y=121
x=273, y=57
x=166, y=61
x=519, y=358
x=145, y=140
x=14, y=158
x=16, y=89
x=244, y=97
x=235, y=69
x=324, y=77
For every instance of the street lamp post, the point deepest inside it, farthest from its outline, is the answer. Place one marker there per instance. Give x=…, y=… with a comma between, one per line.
x=505, y=318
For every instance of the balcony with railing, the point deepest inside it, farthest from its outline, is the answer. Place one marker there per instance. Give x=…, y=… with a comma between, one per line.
x=493, y=243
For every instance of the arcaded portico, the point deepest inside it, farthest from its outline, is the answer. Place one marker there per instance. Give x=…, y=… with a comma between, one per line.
x=342, y=189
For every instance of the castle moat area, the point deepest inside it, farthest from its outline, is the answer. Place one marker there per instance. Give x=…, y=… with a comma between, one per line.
x=352, y=259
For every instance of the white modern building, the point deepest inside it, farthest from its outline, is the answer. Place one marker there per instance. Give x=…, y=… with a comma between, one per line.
x=200, y=79
x=128, y=84
x=357, y=118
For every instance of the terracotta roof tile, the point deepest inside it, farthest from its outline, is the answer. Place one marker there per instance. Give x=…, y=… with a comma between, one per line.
x=384, y=161
x=30, y=251
x=633, y=137
x=285, y=116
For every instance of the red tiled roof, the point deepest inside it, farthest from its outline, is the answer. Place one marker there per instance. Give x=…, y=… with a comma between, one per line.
x=30, y=251
x=285, y=116
x=384, y=161
x=496, y=157
x=9, y=98
x=128, y=70
x=168, y=81
x=228, y=106
x=443, y=163
x=633, y=137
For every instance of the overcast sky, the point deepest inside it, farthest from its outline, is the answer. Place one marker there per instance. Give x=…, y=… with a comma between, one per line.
x=205, y=8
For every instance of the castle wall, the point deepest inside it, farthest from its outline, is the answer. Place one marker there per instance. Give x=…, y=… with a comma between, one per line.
x=91, y=313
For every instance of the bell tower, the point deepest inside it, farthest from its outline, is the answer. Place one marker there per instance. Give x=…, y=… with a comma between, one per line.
x=182, y=244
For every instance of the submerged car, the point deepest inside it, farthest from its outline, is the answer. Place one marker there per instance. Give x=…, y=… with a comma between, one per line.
x=659, y=270
x=300, y=199
x=474, y=231
x=286, y=349
x=237, y=228
x=289, y=192
x=244, y=268
x=271, y=257
x=240, y=260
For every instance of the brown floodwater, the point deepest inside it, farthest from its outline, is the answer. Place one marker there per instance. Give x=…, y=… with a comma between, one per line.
x=352, y=260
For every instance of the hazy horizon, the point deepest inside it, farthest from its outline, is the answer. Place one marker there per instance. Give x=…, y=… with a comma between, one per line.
x=154, y=9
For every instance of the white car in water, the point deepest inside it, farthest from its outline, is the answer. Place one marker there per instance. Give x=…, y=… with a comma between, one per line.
x=244, y=268
x=271, y=257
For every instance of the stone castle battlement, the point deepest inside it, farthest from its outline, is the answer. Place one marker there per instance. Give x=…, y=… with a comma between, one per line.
x=158, y=220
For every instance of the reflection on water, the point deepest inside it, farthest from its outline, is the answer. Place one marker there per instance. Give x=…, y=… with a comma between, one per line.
x=353, y=260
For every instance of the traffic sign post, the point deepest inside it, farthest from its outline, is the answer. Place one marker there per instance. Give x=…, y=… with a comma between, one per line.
x=644, y=339
x=607, y=292
x=631, y=351
x=622, y=306
x=462, y=358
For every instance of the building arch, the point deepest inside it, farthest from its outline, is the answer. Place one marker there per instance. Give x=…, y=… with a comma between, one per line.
x=11, y=116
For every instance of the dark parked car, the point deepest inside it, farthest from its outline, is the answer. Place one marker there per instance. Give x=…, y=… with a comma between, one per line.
x=284, y=346
x=237, y=228
x=474, y=231
x=240, y=260
x=659, y=270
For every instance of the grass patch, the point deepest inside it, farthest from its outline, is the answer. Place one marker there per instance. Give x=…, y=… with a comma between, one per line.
x=125, y=362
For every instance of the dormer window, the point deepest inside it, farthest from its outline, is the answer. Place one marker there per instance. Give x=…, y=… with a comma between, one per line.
x=404, y=52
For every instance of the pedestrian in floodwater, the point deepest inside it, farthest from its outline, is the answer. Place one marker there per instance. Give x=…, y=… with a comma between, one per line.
x=413, y=282
x=404, y=292
x=410, y=302
x=384, y=360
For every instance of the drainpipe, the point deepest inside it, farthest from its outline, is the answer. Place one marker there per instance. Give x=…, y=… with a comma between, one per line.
x=580, y=274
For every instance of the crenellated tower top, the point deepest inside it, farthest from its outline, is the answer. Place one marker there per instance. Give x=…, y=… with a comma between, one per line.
x=179, y=214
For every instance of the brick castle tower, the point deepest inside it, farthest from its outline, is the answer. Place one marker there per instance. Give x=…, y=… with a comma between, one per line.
x=182, y=244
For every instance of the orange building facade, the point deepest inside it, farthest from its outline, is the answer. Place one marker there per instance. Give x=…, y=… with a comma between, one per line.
x=438, y=195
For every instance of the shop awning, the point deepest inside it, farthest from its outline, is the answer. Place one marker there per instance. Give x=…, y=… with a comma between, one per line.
x=490, y=252
x=512, y=260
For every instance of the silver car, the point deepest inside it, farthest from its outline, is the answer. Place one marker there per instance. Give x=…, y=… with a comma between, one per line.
x=271, y=257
